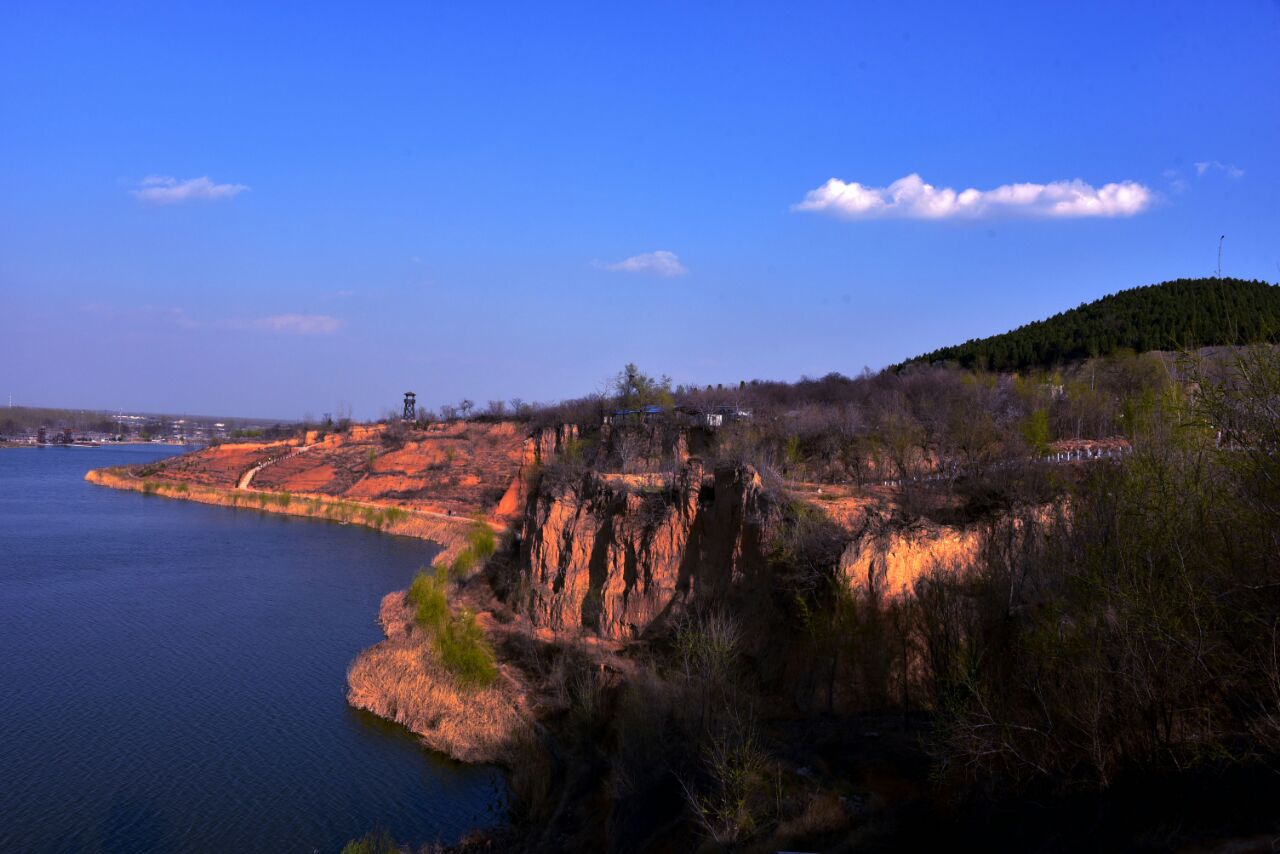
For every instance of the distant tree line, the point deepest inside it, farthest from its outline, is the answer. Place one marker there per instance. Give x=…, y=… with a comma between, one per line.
x=20, y=419
x=1179, y=315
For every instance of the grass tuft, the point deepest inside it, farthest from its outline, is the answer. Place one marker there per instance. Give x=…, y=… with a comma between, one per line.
x=481, y=541
x=465, y=652
x=428, y=594
x=373, y=842
x=463, y=562
x=459, y=641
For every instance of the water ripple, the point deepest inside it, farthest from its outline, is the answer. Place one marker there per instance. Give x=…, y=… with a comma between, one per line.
x=174, y=677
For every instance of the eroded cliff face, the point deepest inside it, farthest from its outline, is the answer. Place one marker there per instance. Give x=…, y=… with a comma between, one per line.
x=605, y=556
x=616, y=554
x=540, y=447
x=888, y=558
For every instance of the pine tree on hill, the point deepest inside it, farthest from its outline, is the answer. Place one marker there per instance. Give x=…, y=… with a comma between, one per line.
x=1182, y=314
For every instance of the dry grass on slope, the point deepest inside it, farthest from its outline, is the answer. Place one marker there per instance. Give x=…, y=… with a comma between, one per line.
x=402, y=679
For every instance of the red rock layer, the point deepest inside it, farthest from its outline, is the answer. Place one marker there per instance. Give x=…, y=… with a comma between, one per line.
x=608, y=558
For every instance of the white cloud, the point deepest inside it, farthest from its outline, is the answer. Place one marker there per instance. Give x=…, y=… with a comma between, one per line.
x=1231, y=171
x=285, y=324
x=912, y=198
x=660, y=263
x=297, y=324
x=164, y=190
x=1176, y=182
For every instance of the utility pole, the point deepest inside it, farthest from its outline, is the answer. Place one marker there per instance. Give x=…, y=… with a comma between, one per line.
x=1220, y=239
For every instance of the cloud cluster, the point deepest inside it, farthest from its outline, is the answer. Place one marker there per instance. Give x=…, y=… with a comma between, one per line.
x=912, y=198
x=1216, y=166
x=660, y=263
x=282, y=324
x=297, y=324
x=165, y=190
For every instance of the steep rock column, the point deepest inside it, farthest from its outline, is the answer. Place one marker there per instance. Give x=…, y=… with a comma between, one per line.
x=558, y=540
x=616, y=561
x=539, y=447
x=641, y=576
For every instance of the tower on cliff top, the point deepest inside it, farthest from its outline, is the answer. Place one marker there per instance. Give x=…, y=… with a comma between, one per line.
x=410, y=407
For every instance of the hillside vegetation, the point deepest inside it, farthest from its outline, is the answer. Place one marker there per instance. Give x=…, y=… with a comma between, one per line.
x=1179, y=315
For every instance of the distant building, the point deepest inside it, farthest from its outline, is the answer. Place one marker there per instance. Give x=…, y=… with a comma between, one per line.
x=713, y=418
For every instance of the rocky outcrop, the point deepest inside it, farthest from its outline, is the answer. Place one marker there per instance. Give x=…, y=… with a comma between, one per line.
x=888, y=558
x=544, y=444
x=540, y=447
x=400, y=679
x=600, y=555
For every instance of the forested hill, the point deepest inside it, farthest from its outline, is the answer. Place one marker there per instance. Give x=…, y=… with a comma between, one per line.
x=1184, y=313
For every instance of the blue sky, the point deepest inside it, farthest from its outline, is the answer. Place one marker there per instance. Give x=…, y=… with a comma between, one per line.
x=269, y=209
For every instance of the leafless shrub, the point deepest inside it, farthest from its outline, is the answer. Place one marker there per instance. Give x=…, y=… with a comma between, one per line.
x=731, y=799
x=707, y=646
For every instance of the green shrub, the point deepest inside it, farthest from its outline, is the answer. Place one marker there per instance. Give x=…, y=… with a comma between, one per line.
x=428, y=594
x=465, y=651
x=481, y=541
x=464, y=562
x=343, y=510
x=373, y=842
x=459, y=642
x=1035, y=429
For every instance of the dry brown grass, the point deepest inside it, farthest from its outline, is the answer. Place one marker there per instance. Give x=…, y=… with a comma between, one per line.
x=823, y=813
x=401, y=679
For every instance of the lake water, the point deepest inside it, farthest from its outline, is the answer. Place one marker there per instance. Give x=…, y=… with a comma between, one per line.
x=172, y=676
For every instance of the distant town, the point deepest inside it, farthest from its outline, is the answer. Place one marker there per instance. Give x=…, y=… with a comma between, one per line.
x=21, y=425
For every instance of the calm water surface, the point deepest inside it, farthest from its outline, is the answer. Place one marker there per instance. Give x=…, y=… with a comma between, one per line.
x=172, y=676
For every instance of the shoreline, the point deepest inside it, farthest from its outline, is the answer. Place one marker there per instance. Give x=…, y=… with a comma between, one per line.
x=310, y=610
x=398, y=679
x=449, y=532
x=4, y=445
